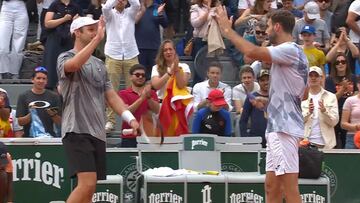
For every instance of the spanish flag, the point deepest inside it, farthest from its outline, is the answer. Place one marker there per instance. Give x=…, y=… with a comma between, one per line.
x=176, y=108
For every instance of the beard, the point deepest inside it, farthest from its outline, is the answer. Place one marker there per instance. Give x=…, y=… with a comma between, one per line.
x=272, y=38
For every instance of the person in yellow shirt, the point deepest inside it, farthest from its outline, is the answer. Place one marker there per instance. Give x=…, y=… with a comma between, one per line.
x=315, y=56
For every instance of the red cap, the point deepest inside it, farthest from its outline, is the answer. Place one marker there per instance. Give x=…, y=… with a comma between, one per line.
x=357, y=139
x=216, y=97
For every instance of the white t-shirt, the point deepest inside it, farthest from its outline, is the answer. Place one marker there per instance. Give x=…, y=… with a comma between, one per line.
x=355, y=8
x=288, y=79
x=239, y=92
x=245, y=4
x=315, y=134
x=154, y=72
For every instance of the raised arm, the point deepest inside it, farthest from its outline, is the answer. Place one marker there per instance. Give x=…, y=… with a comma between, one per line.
x=74, y=64
x=244, y=46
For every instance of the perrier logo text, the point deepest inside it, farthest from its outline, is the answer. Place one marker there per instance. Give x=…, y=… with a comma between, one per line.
x=38, y=171
x=165, y=197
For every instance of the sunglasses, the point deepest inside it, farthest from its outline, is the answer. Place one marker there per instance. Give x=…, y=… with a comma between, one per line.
x=139, y=75
x=340, y=61
x=40, y=69
x=322, y=1
x=259, y=32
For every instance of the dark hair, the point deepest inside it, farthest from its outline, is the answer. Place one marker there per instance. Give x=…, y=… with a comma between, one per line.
x=246, y=69
x=333, y=72
x=136, y=67
x=285, y=18
x=214, y=64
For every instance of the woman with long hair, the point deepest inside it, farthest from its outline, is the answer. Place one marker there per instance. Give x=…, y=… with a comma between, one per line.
x=170, y=78
x=167, y=65
x=342, y=83
x=254, y=14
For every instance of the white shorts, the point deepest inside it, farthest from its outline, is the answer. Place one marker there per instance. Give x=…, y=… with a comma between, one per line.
x=282, y=153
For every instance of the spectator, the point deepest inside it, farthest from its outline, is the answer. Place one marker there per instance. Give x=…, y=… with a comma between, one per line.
x=320, y=112
x=5, y=109
x=289, y=5
x=256, y=116
x=120, y=48
x=325, y=13
x=166, y=62
x=343, y=44
x=45, y=102
x=95, y=9
x=148, y=21
x=353, y=21
x=201, y=90
x=200, y=15
x=213, y=119
x=44, y=31
x=259, y=38
x=246, y=4
x=341, y=82
x=14, y=22
x=247, y=86
x=6, y=175
x=257, y=66
x=312, y=17
x=170, y=78
x=350, y=119
x=141, y=100
x=340, y=13
x=314, y=56
x=58, y=19
x=17, y=129
x=254, y=14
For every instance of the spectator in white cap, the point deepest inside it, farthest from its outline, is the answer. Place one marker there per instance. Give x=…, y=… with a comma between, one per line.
x=312, y=17
x=320, y=112
x=85, y=85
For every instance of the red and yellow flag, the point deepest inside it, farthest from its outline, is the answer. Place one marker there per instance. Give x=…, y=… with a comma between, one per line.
x=176, y=108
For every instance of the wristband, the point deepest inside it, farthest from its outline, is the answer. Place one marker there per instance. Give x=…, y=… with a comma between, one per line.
x=127, y=116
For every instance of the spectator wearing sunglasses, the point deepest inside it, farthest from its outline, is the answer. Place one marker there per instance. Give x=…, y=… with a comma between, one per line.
x=342, y=83
x=47, y=104
x=142, y=100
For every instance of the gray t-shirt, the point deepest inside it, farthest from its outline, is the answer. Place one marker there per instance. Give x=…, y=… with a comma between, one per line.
x=289, y=74
x=322, y=30
x=83, y=95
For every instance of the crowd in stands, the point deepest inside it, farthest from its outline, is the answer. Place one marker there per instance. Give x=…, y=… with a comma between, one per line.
x=139, y=50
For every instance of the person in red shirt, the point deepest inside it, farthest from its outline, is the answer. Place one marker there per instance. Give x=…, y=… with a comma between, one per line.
x=6, y=174
x=142, y=100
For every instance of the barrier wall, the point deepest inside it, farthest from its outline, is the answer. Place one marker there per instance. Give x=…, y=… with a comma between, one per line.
x=40, y=171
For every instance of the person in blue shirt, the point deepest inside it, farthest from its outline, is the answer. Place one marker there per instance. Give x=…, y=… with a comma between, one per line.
x=256, y=115
x=214, y=119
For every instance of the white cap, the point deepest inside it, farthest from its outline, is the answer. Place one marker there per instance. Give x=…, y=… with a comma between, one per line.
x=2, y=90
x=81, y=22
x=316, y=69
x=312, y=10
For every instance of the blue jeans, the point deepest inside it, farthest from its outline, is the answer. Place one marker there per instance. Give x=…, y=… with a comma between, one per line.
x=349, y=144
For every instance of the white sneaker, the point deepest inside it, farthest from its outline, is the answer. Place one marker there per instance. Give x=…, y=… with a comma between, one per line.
x=109, y=127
